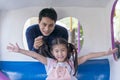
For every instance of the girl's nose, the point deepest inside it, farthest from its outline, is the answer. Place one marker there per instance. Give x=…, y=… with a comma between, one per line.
x=59, y=53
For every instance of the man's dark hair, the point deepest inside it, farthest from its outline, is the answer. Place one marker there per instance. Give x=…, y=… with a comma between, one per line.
x=48, y=12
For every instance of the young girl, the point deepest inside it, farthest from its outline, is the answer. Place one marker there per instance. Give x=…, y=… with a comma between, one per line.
x=64, y=62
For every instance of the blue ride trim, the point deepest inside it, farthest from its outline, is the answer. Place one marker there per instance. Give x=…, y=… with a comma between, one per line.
x=97, y=69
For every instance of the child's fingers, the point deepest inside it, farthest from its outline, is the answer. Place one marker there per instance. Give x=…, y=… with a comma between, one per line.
x=11, y=45
x=9, y=48
x=112, y=51
x=17, y=45
x=115, y=50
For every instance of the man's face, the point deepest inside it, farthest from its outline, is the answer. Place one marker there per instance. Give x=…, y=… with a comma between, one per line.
x=46, y=26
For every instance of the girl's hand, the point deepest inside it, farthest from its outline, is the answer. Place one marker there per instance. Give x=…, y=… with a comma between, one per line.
x=13, y=48
x=111, y=51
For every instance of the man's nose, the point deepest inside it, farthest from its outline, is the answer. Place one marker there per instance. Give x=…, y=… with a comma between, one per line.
x=46, y=28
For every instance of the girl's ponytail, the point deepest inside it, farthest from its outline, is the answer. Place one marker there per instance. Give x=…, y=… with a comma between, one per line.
x=73, y=52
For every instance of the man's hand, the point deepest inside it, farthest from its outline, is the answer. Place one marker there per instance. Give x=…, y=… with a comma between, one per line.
x=38, y=42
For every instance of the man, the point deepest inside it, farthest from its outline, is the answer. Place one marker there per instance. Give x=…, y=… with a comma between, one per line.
x=46, y=30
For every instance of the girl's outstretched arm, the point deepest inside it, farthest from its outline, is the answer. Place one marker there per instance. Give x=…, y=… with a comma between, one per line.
x=84, y=58
x=17, y=49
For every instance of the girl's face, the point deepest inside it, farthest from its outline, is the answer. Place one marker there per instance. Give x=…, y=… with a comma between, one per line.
x=60, y=52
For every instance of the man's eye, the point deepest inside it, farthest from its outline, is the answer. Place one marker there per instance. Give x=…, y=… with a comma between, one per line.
x=44, y=24
x=51, y=25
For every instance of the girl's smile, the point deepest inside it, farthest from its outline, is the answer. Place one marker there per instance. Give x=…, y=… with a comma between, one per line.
x=60, y=52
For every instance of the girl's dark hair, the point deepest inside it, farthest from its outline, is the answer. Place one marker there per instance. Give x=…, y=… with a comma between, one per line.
x=48, y=12
x=71, y=50
x=45, y=49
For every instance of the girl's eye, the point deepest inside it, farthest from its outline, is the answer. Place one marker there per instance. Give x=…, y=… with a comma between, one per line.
x=63, y=50
x=56, y=51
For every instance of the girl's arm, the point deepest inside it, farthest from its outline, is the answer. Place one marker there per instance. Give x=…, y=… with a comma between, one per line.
x=84, y=58
x=17, y=49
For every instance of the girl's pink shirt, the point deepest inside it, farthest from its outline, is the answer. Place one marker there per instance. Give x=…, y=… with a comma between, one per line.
x=59, y=70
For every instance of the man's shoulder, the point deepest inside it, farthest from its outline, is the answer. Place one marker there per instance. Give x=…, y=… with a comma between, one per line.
x=60, y=28
x=33, y=27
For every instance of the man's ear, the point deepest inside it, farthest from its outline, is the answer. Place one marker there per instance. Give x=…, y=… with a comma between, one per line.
x=39, y=21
